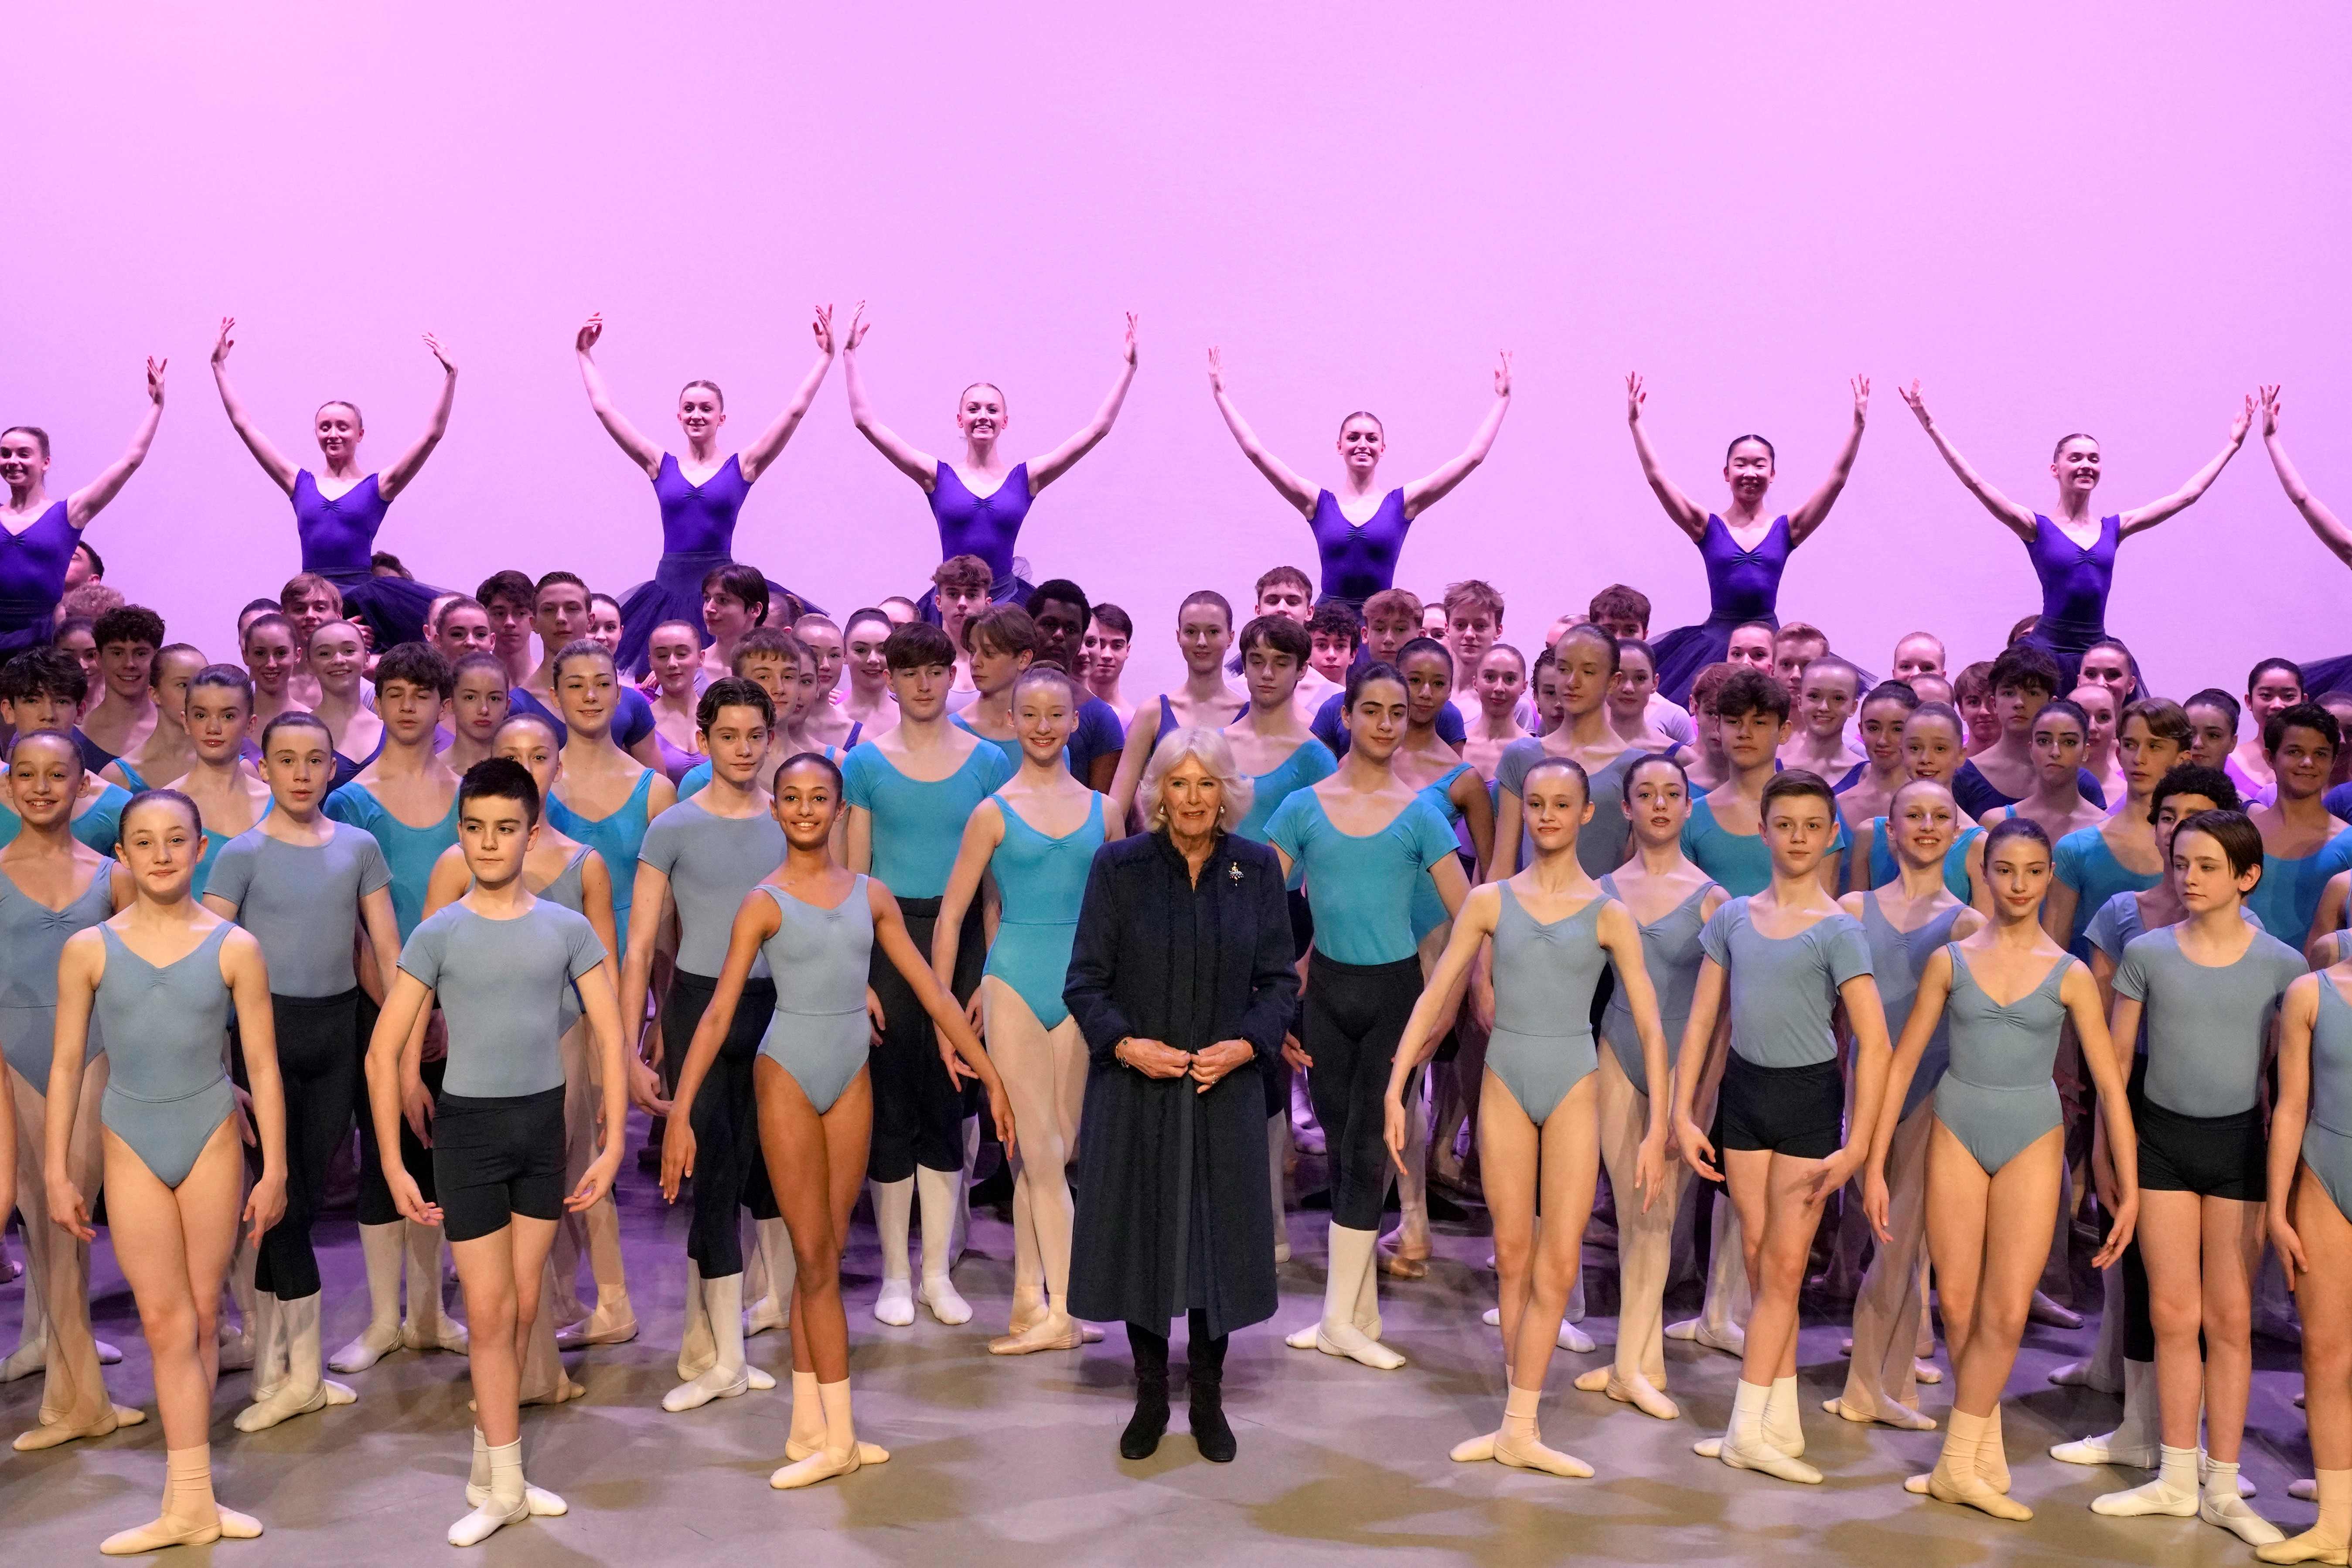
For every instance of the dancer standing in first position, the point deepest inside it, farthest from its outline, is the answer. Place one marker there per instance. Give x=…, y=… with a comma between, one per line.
x=500, y=961
x=160, y=982
x=1360, y=531
x=821, y=928
x=1787, y=956
x=697, y=513
x=973, y=521
x=338, y=530
x=38, y=536
x=2074, y=555
x=1554, y=931
x=1745, y=551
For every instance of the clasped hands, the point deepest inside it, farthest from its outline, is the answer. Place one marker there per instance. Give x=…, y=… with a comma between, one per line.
x=1205, y=1067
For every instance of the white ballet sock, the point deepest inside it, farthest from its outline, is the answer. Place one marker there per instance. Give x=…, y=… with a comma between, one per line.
x=728, y=1375
x=780, y=1268
x=2330, y=1538
x=1520, y=1444
x=1745, y=1446
x=894, y=1208
x=380, y=1250
x=191, y=1517
x=290, y=1339
x=698, y=1344
x=1783, y=1426
x=841, y=1453
x=1349, y=1281
x=428, y=1326
x=2173, y=1492
x=2133, y=1442
x=504, y=1504
x=936, y=1192
x=2219, y=1503
x=541, y=1504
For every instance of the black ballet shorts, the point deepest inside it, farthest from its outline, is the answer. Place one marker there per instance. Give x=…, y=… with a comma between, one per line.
x=2212, y=1156
x=494, y=1159
x=1796, y=1111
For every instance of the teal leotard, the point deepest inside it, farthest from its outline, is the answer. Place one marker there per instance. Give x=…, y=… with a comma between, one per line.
x=1361, y=884
x=411, y=852
x=1428, y=909
x=918, y=825
x=617, y=837
x=2084, y=862
x=1041, y=881
x=1883, y=868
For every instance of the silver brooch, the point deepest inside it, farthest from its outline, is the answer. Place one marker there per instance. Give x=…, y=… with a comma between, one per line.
x=1234, y=870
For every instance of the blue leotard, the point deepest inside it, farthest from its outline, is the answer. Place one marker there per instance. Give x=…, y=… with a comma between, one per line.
x=918, y=825
x=2287, y=898
x=32, y=566
x=700, y=518
x=1883, y=868
x=1361, y=883
x=1740, y=862
x=214, y=842
x=616, y=837
x=32, y=938
x=1999, y=1094
x=1742, y=585
x=1545, y=974
x=819, y=1032
x=1428, y=909
x=167, y=1029
x=1308, y=764
x=1041, y=881
x=697, y=537
x=1358, y=560
x=2084, y=862
x=633, y=714
x=409, y=851
x=2074, y=584
x=986, y=525
x=2327, y=1132
x=1977, y=794
x=1896, y=957
x=1671, y=955
x=98, y=824
x=1011, y=749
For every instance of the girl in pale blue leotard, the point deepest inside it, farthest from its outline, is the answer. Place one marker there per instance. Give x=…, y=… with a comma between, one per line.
x=2311, y=1183
x=590, y=754
x=1041, y=881
x=818, y=925
x=173, y=1169
x=1539, y=1126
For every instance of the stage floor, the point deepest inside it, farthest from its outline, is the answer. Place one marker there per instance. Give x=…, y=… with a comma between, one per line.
x=1014, y=1460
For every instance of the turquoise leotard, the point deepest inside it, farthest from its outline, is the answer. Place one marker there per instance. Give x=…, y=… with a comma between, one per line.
x=1361, y=884
x=2084, y=862
x=1041, y=881
x=918, y=824
x=411, y=852
x=617, y=837
x=1428, y=909
x=1310, y=763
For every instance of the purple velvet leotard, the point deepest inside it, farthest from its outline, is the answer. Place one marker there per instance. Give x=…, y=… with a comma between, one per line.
x=1742, y=585
x=338, y=542
x=1358, y=560
x=698, y=536
x=986, y=525
x=32, y=566
x=700, y=519
x=2074, y=587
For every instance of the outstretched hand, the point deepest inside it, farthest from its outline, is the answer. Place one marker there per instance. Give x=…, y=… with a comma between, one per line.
x=1503, y=375
x=155, y=379
x=226, y=342
x=1216, y=369
x=439, y=352
x=1917, y=401
x=1128, y=349
x=1861, y=398
x=822, y=328
x=590, y=331
x=2270, y=395
x=859, y=327
x=2243, y=422
x=1635, y=395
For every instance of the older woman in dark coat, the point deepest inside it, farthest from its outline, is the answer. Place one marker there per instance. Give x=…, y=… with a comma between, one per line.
x=1183, y=982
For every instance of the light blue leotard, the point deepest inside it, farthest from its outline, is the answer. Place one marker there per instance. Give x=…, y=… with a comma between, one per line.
x=2206, y=1024
x=1545, y=974
x=1784, y=988
x=167, y=1025
x=819, y=958
x=1428, y=909
x=2288, y=895
x=1041, y=881
x=2084, y=862
x=1896, y=957
x=918, y=825
x=214, y=844
x=617, y=837
x=1670, y=953
x=1310, y=763
x=712, y=863
x=1740, y=863
x=411, y=852
x=301, y=902
x=500, y=983
x=99, y=824
x=1602, y=844
x=1361, y=884
x=32, y=938
x=2327, y=1132
x=1883, y=868
x=1999, y=1094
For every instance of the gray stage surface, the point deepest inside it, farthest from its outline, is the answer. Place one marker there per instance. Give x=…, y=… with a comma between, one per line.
x=1014, y=1460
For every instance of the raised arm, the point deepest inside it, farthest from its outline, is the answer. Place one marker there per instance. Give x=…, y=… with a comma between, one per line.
x=2156, y=511
x=627, y=436
x=1044, y=470
x=1816, y=508
x=754, y=459
x=90, y=500
x=916, y=464
x=391, y=482
x=1432, y=487
x=1279, y=474
x=265, y=451
x=2330, y=528
x=1686, y=513
x=2017, y=518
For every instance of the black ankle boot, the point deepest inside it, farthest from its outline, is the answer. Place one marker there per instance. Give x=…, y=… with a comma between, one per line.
x=1149, y=1422
x=1210, y=1433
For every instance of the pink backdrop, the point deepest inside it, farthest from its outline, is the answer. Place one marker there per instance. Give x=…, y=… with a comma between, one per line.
x=2106, y=217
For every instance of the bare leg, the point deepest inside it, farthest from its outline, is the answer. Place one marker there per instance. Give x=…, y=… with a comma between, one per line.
x=1778, y=1210
x=2325, y=1297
